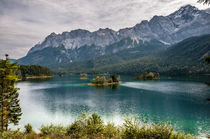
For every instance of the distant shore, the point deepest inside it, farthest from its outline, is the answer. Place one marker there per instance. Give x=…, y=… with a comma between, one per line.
x=36, y=77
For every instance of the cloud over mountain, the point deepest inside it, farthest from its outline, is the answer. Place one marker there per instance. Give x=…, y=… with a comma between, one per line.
x=23, y=23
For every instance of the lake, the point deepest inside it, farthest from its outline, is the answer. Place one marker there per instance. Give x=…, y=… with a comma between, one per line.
x=180, y=100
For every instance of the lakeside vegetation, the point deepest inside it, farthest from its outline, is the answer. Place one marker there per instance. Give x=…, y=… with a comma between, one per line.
x=10, y=110
x=207, y=59
x=102, y=81
x=83, y=76
x=87, y=126
x=148, y=76
x=33, y=72
x=92, y=126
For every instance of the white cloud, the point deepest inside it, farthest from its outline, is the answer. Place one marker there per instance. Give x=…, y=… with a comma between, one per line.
x=23, y=23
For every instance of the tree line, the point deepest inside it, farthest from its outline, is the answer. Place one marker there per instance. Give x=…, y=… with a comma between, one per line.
x=33, y=70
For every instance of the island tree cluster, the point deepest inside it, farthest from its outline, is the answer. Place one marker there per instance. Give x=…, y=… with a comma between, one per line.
x=113, y=79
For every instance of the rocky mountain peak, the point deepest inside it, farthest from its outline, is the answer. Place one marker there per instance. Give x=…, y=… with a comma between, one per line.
x=184, y=11
x=51, y=36
x=186, y=22
x=79, y=32
x=105, y=31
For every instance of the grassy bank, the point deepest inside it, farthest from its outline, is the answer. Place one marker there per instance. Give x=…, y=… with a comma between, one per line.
x=92, y=126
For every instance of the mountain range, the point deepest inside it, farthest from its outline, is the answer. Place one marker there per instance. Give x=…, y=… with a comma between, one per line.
x=148, y=38
x=185, y=57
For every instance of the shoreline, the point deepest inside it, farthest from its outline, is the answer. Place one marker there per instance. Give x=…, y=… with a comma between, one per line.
x=105, y=84
x=36, y=77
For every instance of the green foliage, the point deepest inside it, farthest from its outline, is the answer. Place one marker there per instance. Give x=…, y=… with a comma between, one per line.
x=148, y=76
x=113, y=79
x=76, y=129
x=99, y=80
x=12, y=134
x=33, y=70
x=207, y=59
x=53, y=130
x=92, y=126
x=28, y=128
x=10, y=110
x=131, y=128
x=110, y=130
x=134, y=129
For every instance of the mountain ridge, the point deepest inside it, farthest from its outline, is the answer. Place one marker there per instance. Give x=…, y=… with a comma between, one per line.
x=79, y=45
x=146, y=29
x=185, y=57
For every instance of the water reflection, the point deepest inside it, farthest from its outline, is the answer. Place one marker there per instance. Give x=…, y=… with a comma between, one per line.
x=62, y=100
x=113, y=87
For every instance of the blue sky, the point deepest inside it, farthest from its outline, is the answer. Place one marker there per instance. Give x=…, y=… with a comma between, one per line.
x=24, y=23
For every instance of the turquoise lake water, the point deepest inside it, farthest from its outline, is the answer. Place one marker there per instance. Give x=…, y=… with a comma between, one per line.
x=181, y=100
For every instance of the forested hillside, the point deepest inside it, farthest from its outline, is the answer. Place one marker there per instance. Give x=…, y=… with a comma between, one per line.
x=185, y=57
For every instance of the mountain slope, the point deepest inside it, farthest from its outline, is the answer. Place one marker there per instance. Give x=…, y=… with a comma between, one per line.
x=144, y=49
x=79, y=45
x=191, y=50
x=182, y=58
x=58, y=56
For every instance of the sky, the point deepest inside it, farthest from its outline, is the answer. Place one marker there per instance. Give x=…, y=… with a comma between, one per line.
x=24, y=23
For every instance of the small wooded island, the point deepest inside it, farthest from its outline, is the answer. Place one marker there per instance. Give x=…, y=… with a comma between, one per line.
x=148, y=76
x=83, y=76
x=102, y=81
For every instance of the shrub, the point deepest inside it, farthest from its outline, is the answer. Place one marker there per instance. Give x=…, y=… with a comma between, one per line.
x=181, y=136
x=94, y=125
x=148, y=76
x=161, y=131
x=76, y=129
x=115, y=78
x=12, y=134
x=110, y=130
x=99, y=80
x=131, y=128
x=28, y=128
x=53, y=130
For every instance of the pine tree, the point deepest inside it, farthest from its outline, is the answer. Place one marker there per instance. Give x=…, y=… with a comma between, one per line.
x=10, y=110
x=207, y=59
